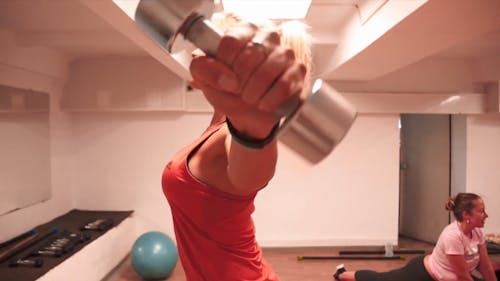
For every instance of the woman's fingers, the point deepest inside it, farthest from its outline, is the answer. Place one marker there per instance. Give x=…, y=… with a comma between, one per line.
x=284, y=90
x=269, y=39
x=265, y=75
x=234, y=41
x=224, y=102
x=248, y=61
x=248, y=78
x=215, y=74
x=253, y=54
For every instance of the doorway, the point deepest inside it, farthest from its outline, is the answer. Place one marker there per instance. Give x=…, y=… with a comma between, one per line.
x=425, y=175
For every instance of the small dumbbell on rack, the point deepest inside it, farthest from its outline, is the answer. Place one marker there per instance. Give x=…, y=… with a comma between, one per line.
x=98, y=224
x=26, y=262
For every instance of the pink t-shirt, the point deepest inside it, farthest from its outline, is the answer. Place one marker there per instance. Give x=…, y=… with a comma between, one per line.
x=453, y=241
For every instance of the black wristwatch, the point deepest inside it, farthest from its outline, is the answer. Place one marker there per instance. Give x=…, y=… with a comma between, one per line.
x=251, y=143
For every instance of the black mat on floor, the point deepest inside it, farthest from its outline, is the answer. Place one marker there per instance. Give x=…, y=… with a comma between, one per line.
x=68, y=229
x=493, y=248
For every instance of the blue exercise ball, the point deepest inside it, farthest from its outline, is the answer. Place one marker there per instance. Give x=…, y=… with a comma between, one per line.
x=154, y=255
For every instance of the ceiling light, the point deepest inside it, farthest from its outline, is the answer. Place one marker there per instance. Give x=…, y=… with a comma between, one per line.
x=269, y=9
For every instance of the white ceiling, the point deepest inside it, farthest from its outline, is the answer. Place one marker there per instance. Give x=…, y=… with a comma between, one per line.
x=64, y=25
x=72, y=28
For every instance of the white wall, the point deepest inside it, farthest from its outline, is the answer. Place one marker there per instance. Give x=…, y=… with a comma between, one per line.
x=60, y=201
x=119, y=152
x=351, y=198
x=119, y=158
x=25, y=159
x=483, y=162
x=39, y=69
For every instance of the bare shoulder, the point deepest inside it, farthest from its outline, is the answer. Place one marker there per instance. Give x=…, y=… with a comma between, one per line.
x=209, y=162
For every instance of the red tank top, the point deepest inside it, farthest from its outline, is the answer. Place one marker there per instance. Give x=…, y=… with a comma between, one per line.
x=214, y=230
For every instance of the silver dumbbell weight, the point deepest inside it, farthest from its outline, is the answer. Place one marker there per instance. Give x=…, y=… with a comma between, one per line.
x=311, y=129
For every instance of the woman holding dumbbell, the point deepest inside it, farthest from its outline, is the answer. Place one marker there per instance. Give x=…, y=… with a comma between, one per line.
x=211, y=184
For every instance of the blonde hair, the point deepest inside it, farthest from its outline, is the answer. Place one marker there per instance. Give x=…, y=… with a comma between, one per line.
x=293, y=35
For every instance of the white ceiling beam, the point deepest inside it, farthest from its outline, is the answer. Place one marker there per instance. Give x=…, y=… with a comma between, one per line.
x=486, y=69
x=120, y=14
x=72, y=38
x=81, y=44
x=321, y=51
x=38, y=60
x=25, y=79
x=404, y=32
x=367, y=8
x=429, y=75
x=422, y=103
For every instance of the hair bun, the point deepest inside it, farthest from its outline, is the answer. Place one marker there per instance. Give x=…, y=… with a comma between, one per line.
x=450, y=205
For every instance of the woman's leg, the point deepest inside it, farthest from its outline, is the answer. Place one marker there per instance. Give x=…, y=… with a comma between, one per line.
x=413, y=270
x=347, y=276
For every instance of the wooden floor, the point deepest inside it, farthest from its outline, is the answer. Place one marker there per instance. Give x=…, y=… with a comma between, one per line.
x=286, y=265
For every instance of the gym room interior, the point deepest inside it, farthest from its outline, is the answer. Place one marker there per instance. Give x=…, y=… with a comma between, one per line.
x=102, y=108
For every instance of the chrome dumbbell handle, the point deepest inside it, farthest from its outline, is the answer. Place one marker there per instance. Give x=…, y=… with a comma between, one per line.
x=312, y=128
x=202, y=33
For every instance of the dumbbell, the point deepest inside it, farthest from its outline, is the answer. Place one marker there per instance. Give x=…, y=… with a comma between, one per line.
x=311, y=128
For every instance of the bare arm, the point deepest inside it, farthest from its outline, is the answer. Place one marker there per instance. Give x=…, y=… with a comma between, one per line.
x=247, y=83
x=460, y=267
x=485, y=266
x=251, y=169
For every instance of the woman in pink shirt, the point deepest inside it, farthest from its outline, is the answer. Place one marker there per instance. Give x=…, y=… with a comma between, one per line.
x=460, y=250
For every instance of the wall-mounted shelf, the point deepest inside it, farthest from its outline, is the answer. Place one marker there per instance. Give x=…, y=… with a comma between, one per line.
x=128, y=84
x=15, y=100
